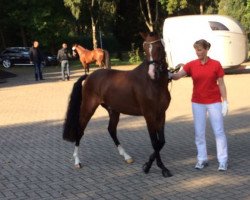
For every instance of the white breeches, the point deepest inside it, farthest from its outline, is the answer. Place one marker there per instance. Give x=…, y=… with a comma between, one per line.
x=216, y=119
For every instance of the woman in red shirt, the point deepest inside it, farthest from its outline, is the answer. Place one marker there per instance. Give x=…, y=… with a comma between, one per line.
x=209, y=97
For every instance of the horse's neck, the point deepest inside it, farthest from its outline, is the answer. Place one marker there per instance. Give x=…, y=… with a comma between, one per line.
x=82, y=48
x=142, y=70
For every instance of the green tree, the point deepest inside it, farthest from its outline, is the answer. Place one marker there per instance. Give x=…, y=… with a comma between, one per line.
x=4, y=21
x=238, y=9
x=51, y=22
x=173, y=6
x=22, y=21
x=93, y=11
x=149, y=11
x=14, y=19
x=246, y=19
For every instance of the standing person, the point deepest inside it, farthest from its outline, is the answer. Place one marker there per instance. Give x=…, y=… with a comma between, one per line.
x=63, y=56
x=36, y=58
x=209, y=96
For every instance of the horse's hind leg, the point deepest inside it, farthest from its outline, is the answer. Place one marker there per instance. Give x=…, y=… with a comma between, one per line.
x=88, y=108
x=112, y=128
x=76, y=157
x=88, y=68
x=99, y=63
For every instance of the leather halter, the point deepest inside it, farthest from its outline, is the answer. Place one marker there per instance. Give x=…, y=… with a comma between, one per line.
x=152, y=42
x=154, y=61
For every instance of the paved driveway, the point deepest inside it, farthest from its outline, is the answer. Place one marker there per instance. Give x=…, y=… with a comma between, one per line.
x=35, y=163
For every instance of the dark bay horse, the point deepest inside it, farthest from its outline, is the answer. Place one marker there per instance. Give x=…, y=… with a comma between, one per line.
x=100, y=56
x=145, y=89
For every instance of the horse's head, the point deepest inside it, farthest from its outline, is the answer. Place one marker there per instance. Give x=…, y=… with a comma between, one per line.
x=74, y=46
x=155, y=54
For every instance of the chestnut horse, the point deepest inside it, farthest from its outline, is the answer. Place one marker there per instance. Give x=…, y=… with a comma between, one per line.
x=145, y=89
x=100, y=56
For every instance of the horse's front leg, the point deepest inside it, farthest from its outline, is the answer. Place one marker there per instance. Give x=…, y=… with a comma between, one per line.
x=84, y=67
x=87, y=67
x=146, y=167
x=160, y=142
x=152, y=131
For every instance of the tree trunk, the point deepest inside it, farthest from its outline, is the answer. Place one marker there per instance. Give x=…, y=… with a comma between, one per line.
x=201, y=8
x=93, y=32
x=93, y=25
x=2, y=39
x=149, y=19
x=53, y=46
x=78, y=28
x=23, y=35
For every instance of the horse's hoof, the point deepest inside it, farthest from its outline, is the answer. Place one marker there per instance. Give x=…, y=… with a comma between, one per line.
x=146, y=168
x=78, y=166
x=166, y=173
x=129, y=161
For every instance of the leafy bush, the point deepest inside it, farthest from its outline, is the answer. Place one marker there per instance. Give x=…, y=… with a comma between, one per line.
x=134, y=55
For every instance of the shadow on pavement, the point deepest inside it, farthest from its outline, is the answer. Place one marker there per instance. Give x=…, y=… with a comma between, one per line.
x=5, y=74
x=24, y=75
x=33, y=155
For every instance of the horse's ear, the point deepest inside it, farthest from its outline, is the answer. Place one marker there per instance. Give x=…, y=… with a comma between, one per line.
x=143, y=35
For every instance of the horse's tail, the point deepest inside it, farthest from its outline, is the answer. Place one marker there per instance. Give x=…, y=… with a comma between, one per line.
x=107, y=59
x=71, y=124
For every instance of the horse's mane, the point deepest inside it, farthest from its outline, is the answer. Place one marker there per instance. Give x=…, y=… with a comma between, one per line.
x=82, y=48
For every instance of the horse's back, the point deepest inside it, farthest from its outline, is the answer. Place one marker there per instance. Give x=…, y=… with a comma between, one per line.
x=115, y=78
x=115, y=89
x=106, y=79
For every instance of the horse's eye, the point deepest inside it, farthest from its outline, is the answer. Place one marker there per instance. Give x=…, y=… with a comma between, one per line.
x=159, y=48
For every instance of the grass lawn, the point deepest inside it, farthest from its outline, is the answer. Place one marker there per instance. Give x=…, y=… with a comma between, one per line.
x=76, y=64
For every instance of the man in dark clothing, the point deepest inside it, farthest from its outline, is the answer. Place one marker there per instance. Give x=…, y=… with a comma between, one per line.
x=63, y=56
x=36, y=58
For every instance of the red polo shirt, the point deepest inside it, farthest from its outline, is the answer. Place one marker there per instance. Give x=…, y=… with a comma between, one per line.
x=205, y=76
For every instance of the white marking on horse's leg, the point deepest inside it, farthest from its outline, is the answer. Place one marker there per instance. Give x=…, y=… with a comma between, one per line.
x=76, y=156
x=123, y=153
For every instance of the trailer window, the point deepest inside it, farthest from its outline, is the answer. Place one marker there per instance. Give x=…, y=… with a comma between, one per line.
x=217, y=26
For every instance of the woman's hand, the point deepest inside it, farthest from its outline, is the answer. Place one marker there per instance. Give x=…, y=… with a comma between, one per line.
x=224, y=108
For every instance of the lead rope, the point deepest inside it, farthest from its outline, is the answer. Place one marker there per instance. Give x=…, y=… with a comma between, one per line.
x=171, y=81
x=177, y=68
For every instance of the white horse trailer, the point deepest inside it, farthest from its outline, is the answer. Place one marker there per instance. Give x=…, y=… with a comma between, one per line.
x=227, y=38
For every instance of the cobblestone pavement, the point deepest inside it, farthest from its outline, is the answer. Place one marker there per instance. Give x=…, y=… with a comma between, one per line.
x=35, y=163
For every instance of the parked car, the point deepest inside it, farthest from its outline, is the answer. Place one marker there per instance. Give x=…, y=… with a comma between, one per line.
x=20, y=56
x=50, y=60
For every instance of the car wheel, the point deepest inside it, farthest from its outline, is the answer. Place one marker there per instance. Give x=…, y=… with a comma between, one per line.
x=6, y=63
